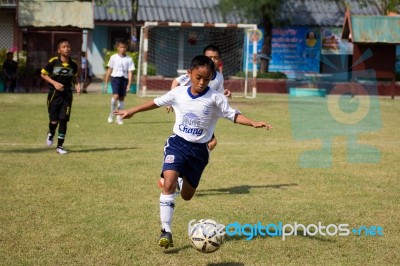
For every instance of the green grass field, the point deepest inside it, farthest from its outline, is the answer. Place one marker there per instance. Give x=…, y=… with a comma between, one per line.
x=98, y=205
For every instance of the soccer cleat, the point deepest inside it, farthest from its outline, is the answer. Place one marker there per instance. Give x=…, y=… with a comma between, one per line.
x=165, y=239
x=110, y=118
x=119, y=120
x=61, y=151
x=49, y=139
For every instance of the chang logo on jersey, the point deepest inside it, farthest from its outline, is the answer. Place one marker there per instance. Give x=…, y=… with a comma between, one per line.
x=190, y=124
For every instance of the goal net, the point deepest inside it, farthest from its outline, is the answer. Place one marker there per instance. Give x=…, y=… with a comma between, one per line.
x=166, y=50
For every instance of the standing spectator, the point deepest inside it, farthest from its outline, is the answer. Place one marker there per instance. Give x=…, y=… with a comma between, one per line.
x=10, y=69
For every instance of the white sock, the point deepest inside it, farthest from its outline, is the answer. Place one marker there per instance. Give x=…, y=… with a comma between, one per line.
x=112, y=104
x=167, y=206
x=180, y=181
x=121, y=105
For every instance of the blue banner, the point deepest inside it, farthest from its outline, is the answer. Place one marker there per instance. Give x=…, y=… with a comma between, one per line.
x=295, y=51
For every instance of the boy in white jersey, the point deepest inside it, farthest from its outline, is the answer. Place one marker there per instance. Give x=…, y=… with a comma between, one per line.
x=197, y=109
x=120, y=68
x=216, y=83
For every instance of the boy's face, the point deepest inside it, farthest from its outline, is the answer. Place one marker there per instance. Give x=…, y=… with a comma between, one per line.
x=213, y=55
x=200, y=78
x=121, y=48
x=64, y=49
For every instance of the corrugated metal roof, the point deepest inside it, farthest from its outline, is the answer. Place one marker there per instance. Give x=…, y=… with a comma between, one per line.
x=292, y=12
x=375, y=29
x=8, y=4
x=55, y=14
x=204, y=11
x=113, y=10
x=323, y=13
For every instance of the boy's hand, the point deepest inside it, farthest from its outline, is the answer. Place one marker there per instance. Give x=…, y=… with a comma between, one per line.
x=78, y=88
x=58, y=86
x=125, y=114
x=261, y=124
x=169, y=109
x=228, y=93
x=212, y=143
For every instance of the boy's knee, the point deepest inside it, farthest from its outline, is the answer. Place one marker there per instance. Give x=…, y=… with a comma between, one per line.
x=186, y=197
x=169, y=189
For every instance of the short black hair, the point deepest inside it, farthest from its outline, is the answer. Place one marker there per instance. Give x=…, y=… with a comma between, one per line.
x=202, y=60
x=117, y=43
x=60, y=41
x=10, y=53
x=211, y=47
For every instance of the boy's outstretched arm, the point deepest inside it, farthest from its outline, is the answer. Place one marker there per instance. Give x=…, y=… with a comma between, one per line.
x=125, y=114
x=243, y=120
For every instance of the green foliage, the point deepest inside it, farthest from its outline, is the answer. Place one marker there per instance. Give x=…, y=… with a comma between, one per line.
x=385, y=5
x=252, y=9
x=3, y=56
x=22, y=70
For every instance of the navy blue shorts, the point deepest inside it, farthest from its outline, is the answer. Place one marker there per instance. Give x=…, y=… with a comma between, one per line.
x=118, y=85
x=187, y=158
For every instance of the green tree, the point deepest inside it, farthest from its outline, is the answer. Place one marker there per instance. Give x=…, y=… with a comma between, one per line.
x=258, y=11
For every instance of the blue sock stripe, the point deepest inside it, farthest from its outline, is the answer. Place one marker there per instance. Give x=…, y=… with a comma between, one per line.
x=167, y=203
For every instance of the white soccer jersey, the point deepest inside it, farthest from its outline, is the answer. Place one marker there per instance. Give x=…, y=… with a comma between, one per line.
x=217, y=83
x=120, y=65
x=196, y=115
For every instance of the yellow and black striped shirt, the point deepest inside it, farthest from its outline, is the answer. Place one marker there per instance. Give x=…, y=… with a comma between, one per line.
x=63, y=73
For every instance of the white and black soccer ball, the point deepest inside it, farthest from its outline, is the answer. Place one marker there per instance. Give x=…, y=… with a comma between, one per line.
x=206, y=235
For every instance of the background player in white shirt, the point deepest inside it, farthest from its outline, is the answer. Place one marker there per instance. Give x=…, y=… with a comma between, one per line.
x=197, y=109
x=120, y=68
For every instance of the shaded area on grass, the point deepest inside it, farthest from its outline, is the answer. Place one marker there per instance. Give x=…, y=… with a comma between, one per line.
x=177, y=250
x=226, y=264
x=74, y=150
x=244, y=189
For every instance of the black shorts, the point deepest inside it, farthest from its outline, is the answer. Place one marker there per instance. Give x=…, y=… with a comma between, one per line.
x=59, y=104
x=187, y=158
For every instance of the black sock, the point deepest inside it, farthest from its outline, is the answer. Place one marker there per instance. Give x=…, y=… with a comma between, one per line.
x=60, y=141
x=62, y=130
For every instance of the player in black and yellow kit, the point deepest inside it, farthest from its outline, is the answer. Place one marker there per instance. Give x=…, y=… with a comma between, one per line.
x=61, y=73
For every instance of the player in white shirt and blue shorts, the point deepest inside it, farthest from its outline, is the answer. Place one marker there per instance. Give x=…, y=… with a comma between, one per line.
x=197, y=110
x=120, y=68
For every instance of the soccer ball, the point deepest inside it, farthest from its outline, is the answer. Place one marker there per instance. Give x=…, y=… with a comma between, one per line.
x=206, y=235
